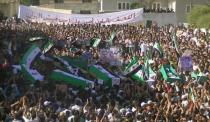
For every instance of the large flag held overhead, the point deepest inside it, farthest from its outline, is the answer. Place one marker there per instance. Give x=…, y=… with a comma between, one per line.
x=76, y=62
x=95, y=42
x=31, y=75
x=47, y=46
x=30, y=55
x=169, y=74
x=58, y=75
x=158, y=48
x=66, y=65
x=102, y=74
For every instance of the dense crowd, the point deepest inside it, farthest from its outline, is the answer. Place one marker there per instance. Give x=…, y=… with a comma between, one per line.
x=127, y=102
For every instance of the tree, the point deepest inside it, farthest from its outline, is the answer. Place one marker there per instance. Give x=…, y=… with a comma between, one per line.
x=148, y=2
x=199, y=16
x=29, y=2
x=136, y=5
x=25, y=2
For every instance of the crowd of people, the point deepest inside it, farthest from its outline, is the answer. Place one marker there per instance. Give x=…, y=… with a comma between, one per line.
x=46, y=101
x=158, y=10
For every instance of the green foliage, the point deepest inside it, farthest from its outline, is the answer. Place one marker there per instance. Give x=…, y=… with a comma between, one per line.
x=200, y=16
x=204, y=21
x=135, y=5
x=25, y=2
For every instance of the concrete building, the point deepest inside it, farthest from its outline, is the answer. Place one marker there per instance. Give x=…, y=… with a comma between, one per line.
x=180, y=7
x=77, y=6
x=9, y=7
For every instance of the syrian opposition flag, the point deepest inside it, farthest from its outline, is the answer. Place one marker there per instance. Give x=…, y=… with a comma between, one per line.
x=112, y=37
x=149, y=73
x=47, y=46
x=58, y=75
x=67, y=65
x=30, y=74
x=199, y=76
x=158, y=48
x=169, y=74
x=76, y=62
x=35, y=39
x=95, y=42
x=102, y=74
x=138, y=76
x=132, y=66
x=175, y=43
x=30, y=55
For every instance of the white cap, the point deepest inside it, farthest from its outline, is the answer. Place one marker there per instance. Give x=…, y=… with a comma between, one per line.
x=46, y=103
x=133, y=109
x=76, y=107
x=149, y=102
x=143, y=104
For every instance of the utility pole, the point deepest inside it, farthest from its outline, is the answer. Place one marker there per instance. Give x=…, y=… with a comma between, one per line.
x=101, y=6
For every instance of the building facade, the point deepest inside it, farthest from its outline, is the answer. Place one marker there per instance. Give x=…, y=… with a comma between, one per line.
x=77, y=6
x=180, y=7
x=9, y=8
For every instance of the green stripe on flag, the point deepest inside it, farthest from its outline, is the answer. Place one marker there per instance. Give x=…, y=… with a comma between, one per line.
x=47, y=46
x=158, y=48
x=149, y=73
x=58, y=75
x=26, y=73
x=76, y=62
x=100, y=74
x=169, y=74
x=199, y=76
x=30, y=55
x=95, y=42
x=112, y=37
x=133, y=61
x=138, y=76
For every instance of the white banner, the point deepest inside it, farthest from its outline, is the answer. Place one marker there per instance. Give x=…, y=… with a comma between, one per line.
x=37, y=14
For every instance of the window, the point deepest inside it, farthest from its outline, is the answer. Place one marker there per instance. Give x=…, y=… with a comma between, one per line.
x=86, y=1
x=188, y=8
x=127, y=6
x=119, y=6
x=85, y=12
x=123, y=5
x=154, y=6
x=58, y=1
x=158, y=5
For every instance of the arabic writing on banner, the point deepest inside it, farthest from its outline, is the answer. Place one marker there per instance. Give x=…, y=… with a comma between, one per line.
x=41, y=15
x=186, y=63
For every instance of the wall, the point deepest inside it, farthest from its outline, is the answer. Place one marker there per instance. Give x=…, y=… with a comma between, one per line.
x=8, y=8
x=160, y=18
x=181, y=8
x=75, y=6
